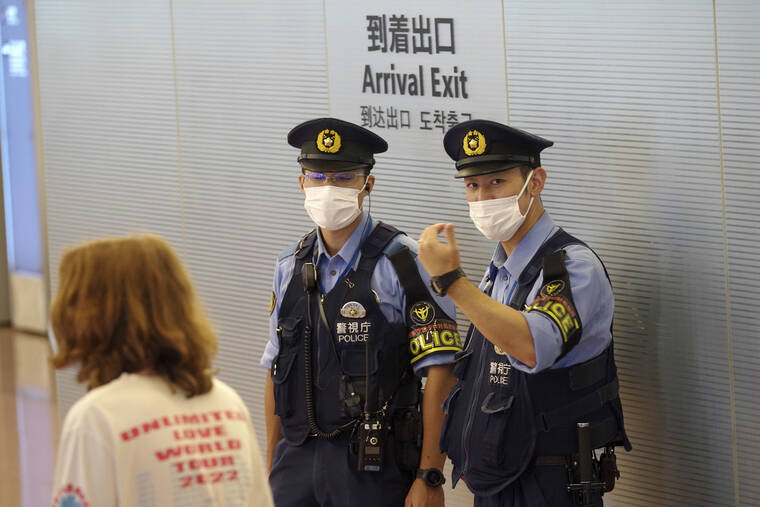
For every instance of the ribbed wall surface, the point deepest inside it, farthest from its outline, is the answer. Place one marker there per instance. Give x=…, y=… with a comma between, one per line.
x=739, y=69
x=171, y=117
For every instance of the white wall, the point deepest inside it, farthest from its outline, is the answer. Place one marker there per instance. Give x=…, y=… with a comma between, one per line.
x=171, y=117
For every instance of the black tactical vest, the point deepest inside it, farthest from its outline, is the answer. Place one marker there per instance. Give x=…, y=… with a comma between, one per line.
x=338, y=353
x=499, y=418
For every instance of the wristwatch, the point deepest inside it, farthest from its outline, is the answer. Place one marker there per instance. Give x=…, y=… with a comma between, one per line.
x=440, y=284
x=432, y=477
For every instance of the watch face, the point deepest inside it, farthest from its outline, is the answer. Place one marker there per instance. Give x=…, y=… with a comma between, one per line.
x=434, y=477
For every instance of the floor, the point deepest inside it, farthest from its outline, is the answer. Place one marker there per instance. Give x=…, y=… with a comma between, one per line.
x=28, y=420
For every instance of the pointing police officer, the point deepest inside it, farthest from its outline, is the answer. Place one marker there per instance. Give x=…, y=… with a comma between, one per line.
x=538, y=358
x=353, y=326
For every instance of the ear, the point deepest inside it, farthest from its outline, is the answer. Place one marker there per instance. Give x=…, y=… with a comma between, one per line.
x=300, y=183
x=370, y=184
x=537, y=181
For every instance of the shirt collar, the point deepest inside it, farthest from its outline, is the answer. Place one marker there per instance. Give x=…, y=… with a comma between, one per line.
x=527, y=247
x=349, y=247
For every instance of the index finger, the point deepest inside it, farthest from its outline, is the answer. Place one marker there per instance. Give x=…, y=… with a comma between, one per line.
x=450, y=238
x=432, y=231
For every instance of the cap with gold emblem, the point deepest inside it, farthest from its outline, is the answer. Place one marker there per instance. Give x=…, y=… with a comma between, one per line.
x=332, y=145
x=483, y=147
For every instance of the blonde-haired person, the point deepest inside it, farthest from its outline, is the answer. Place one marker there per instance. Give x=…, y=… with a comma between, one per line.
x=155, y=427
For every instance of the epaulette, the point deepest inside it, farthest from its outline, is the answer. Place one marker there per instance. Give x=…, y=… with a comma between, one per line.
x=396, y=245
x=290, y=250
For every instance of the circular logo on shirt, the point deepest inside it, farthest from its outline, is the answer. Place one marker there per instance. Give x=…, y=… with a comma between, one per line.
x=70, y=496
x=422, y=313
x=552, y=288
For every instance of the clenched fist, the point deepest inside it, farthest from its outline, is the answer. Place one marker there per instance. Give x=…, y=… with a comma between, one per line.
x=438, y=258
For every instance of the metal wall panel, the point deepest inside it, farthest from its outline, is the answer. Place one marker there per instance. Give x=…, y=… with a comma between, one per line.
x=256, y=77
x=739, y=70
x=171, y=117
x=108, y=128
x=627, y=90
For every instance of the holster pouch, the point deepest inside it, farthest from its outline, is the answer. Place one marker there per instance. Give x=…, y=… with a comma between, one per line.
x=407, y=433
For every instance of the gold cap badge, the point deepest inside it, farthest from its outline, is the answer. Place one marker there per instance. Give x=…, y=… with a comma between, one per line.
x=328, y=141
x=474, y=143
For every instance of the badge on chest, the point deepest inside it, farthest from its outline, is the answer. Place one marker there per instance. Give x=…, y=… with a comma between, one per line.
x=352, y=326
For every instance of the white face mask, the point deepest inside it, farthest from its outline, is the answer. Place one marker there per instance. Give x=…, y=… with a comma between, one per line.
x=499, y=219
x=332, y=207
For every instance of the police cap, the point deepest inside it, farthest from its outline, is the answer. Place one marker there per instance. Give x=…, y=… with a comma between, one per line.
x=332, y=145
x=483, y=147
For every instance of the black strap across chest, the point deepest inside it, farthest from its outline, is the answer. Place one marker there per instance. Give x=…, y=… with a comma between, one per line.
x=549, y=257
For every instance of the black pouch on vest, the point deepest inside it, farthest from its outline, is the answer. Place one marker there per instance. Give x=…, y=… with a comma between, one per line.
x=608, y=470
x=407, y=432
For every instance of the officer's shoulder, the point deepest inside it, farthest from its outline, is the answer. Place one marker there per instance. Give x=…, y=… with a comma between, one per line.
x=291, y=249
x=399, y=242
x=581, y=255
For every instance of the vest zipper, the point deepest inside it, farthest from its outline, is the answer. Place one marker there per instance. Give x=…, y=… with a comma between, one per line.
x=476, y=395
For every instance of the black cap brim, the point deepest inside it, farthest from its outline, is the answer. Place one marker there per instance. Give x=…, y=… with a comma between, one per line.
x=331, y=166
x=487, y=168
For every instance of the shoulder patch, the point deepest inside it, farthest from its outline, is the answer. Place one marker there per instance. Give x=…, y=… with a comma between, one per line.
x=556, y=302
x=272, y=302
x=429, y=335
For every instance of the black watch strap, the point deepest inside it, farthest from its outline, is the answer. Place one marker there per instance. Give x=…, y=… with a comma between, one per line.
x=440, y=284
x=432, y=476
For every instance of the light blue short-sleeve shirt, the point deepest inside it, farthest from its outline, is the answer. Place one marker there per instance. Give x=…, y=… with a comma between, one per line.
x=384, y=282
x=591, y=290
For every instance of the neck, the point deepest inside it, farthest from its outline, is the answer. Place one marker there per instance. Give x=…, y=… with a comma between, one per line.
x=334, y=240
x=533, y=216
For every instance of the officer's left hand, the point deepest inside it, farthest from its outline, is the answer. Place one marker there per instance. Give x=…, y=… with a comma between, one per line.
x=421, y=495
x=438, y=258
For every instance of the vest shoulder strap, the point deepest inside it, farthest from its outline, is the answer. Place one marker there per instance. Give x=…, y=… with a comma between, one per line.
x=529, y=275
x=374, y=245
x=380, y=237
x=409, y=276
x=306, y=245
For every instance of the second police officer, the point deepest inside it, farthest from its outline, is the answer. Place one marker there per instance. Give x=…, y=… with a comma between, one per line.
x=539, y=356
x=353, y=325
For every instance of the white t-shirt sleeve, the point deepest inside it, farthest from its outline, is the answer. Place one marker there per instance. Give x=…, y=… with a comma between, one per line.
x=84, y=469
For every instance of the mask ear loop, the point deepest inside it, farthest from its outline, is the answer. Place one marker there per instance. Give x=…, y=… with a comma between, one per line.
x=527, y=180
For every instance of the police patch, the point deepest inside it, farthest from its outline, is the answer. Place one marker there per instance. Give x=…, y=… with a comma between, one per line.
x=552, y=288
x=422, y=313
x=440, y=336
x=562, y=312
x=272, y=302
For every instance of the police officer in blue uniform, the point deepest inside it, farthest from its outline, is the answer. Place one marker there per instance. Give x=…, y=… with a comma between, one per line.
x=353, y=327
x=535, y=415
